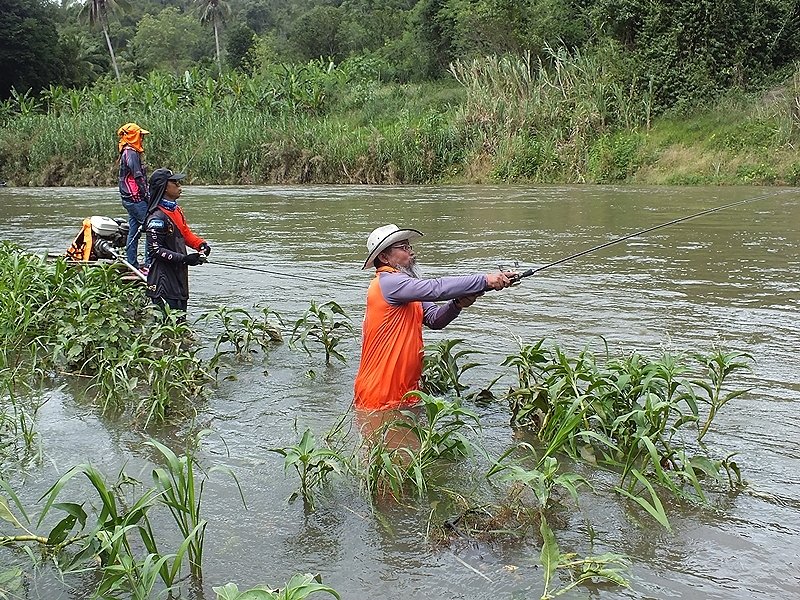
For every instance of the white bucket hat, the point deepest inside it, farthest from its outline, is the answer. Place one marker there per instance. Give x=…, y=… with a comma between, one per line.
x=383, y=237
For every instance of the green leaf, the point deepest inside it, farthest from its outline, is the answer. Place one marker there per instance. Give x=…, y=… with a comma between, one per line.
x=550, y=554
x=655, y=509
x=10, y=581
x=7, y=515
x=59, y=533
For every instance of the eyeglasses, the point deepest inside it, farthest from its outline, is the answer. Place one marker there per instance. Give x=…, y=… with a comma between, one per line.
x=406, y=247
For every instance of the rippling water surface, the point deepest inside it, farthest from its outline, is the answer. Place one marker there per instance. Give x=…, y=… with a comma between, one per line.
x=728, y=278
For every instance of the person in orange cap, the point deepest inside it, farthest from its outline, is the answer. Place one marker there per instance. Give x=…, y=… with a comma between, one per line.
x=133, y=187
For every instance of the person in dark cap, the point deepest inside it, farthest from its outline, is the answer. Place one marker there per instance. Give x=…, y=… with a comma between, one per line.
x=168, y=240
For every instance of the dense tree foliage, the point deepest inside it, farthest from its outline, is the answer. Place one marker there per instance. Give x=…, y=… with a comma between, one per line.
x=170, y=41
x=240, y=47
x=690, y=50
x=30, y=55
x=675, y=52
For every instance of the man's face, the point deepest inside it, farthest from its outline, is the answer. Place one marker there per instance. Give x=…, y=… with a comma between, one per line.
x=401, y=256
x=173, y=190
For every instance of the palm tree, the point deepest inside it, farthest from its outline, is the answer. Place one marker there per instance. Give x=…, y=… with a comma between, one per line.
x=214, y=12
x=96, y=12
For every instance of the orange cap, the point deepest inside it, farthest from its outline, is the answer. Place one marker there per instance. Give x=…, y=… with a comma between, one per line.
x=131, y=134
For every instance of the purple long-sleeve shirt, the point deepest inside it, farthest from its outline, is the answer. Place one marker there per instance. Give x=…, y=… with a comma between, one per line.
x=132, y=176
x=398, y=288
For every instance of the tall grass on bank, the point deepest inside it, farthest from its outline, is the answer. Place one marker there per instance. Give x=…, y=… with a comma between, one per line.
x=568, y=116
x=317, y=123
x=542, y=119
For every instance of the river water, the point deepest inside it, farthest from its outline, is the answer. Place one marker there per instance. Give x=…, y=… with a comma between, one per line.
x=727, y=278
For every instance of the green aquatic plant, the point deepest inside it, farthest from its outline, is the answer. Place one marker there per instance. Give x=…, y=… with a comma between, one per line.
x=326, y=324
x=95, y=314
x=137, y=579
x=158, y=372
x=441, y=371
x=608, y=567
x=403, y=452
x=653, y=506
x=28, y=291
x=719, y=365
x=115, y=528
x=182, y=376
x=11, y=579
x=312, y=463
x=632, y=415
x=242, y=331
x=298, y=587
x=542, y=480
x=18, y=415
x=178, y=491
x=87, y=322
x=439, y=431
x=108, y=537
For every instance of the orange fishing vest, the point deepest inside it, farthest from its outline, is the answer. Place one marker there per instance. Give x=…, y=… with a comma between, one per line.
x=391, y=351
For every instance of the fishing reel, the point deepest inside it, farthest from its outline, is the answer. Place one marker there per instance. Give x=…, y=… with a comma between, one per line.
x=513, y=274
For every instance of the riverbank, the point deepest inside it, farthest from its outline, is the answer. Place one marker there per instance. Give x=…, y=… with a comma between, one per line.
x=334, y=128
x=739, y=141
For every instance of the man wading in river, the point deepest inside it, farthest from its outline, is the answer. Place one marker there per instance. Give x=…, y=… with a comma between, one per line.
x=399, y=302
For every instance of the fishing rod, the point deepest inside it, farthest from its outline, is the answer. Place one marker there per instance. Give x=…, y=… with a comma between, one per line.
x=530, y=272
x=277, y=273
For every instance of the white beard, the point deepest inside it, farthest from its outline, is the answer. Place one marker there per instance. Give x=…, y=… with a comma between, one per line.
x=412, y=270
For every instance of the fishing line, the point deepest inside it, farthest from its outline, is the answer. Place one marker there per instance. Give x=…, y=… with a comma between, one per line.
x=277, y=273
x=530, y=272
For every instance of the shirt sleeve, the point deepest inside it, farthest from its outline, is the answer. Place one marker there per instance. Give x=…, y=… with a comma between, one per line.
x=192, y=240
x=438, y=316
x=156, y=248
x=399, y=288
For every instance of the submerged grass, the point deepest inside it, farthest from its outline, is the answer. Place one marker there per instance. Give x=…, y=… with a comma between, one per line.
x=644, y=419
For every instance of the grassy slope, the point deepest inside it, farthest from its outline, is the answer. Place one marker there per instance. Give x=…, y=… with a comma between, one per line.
x=750, y=141
x=411, y=134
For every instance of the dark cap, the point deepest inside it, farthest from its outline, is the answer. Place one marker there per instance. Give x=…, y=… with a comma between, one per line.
x=158, y=184
x=168, y=174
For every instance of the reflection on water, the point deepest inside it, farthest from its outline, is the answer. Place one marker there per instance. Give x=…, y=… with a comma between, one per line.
x=728, y=278
x=388, y=429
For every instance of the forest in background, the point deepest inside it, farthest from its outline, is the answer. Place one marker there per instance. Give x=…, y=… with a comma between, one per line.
x=403, y=91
